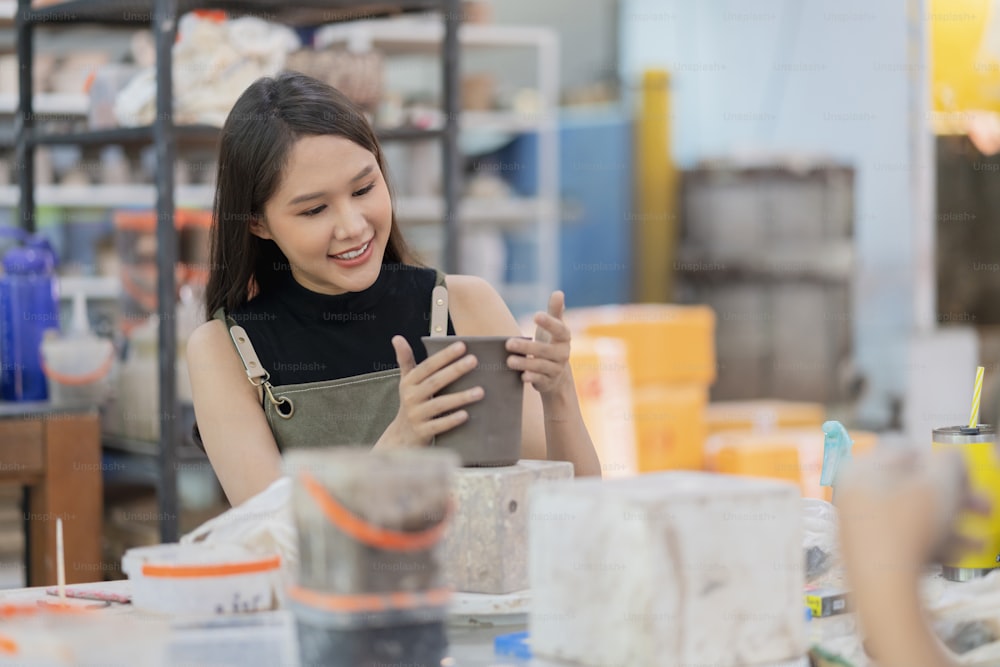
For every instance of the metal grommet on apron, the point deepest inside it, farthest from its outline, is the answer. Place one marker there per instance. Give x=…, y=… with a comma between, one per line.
x=347, y=411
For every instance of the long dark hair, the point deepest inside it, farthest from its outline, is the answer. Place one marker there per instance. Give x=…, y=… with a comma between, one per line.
x=257, y=137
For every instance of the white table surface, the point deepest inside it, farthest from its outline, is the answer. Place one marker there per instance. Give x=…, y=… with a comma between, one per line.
x=469, y=646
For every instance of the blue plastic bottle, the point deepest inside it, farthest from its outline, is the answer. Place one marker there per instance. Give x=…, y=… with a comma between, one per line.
x=28, y=307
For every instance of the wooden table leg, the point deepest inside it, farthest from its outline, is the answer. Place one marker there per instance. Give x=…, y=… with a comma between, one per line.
x=71, y=488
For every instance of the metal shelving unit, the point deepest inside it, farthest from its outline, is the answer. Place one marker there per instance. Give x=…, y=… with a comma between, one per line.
x=162, y=16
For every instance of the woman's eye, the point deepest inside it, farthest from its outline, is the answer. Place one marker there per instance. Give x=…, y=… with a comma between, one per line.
x=365, y=190
x=314, y=211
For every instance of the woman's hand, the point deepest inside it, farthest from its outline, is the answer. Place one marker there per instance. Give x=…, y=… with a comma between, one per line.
x=899, y=509
x=544, y=361
x=422, y=415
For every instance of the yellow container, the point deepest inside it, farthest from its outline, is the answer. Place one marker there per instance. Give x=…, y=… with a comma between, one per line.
x=763, y=415
x=978, y=448
x=669, y=424
x=770, y=455
x=965, y=72
x=774, y=462
x=667, y=344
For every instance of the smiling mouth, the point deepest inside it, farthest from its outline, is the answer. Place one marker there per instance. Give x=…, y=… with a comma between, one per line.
x=351, y=254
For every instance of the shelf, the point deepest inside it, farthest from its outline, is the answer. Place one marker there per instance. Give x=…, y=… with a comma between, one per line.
x=28, y=409
x=94, y=287
x=109, y=196
x=411, y=35
x=507, y=212
x=408, y=134
x=185, y=134
x=49, y=104
x=409, y=210
x=826, y=260
x=300, y=12
x=501, y=121
x=185, y=452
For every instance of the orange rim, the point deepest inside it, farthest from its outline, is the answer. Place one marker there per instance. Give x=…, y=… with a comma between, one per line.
x=12, y=610
x=362, y=531
x=369, y=602
x=221, y=570
x=195, y=217
x=77, y=380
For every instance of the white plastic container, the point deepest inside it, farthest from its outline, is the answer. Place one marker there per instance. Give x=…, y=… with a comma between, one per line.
x=78, y=365
x=202, y=579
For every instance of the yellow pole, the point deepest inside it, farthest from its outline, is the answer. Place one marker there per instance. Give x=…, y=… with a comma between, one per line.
x=655, y=228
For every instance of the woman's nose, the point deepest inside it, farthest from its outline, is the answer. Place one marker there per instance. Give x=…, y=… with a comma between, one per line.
x=349, y=224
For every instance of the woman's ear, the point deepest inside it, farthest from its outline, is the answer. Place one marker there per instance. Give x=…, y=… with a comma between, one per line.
x=258, y=226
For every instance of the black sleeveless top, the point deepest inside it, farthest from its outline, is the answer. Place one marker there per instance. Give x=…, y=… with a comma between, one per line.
x=303, y=336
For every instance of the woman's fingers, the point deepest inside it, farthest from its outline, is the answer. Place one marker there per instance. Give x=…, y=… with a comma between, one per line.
x=446, y=403
x=556, y=329
x=538, y=349
x=404, y=355
x=557, y=304
x=436, y=362
x=445, y=376
x=445, y=423
x=537, y=365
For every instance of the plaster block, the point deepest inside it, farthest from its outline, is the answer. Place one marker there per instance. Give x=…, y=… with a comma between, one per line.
x=668, y=570
x=486, y=547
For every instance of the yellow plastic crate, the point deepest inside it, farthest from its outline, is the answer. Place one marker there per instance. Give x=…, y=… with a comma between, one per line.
x=777, y=462
x=771, y=454
x=667, y=344
x=763, y=415
x=669, y=422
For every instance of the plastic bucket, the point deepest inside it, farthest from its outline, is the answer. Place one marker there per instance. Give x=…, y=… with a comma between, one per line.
x=369, y=587
x=46, y=634
x=198, y=579
x=78, y=369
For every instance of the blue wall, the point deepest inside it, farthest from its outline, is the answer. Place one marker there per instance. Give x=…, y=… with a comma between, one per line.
x=596, y=189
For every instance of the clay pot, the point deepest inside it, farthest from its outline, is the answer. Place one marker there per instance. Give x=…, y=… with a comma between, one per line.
x=491, y=436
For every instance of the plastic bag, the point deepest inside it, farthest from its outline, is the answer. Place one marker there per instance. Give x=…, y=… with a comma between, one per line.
x=966, y=619
x=819, y=537
x=262, y=523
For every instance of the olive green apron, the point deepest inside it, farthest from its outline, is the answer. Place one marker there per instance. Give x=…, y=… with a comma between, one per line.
x=347, y=411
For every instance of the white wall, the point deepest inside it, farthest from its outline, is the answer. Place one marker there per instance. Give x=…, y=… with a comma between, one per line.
x=588, y=33
x=807, y=76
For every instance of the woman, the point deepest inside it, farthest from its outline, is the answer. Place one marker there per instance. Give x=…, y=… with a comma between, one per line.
x=315, y=298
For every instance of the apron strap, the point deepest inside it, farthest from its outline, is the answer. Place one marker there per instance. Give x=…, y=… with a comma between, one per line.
x=244, y=348
x=439, y=307
x=247, y=354
x=256, y=373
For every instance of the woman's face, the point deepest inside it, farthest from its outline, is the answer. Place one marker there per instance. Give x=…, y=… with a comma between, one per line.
x=332, y=203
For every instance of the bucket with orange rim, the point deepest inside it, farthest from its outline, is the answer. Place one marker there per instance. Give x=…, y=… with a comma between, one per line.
x=203, y=579
x=76, y=632
x=370, y=574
